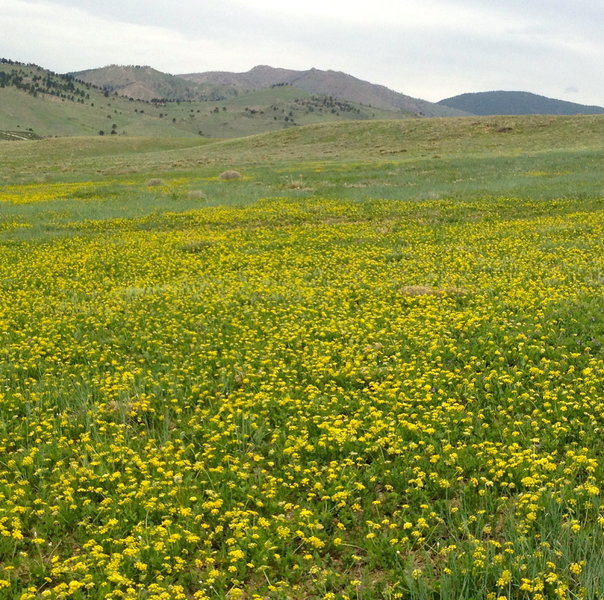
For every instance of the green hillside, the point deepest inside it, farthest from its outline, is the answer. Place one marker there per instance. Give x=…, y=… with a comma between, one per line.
x=36, y=100
x=510, y=141
x=42, y=103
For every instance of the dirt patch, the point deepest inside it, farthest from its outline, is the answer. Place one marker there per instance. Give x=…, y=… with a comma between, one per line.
x=423, y=290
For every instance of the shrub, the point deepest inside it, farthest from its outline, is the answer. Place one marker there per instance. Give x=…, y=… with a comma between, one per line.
x=230, y=175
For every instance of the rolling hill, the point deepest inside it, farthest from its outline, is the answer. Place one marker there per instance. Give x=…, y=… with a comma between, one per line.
x=516, y=103
x=518, y=144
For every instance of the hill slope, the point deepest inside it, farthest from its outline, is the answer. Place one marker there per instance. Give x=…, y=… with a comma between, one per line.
x=511, y=140
x=327, y=83
x=37, y=102
x=516, y=103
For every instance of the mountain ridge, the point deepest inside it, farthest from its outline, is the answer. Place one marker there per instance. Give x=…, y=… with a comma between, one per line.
x=140, y=100
x=502, y=102
x=146, y=83
x=328, y=83
x=36, y=102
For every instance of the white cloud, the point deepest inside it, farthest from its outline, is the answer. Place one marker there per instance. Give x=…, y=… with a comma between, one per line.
x=68, y=38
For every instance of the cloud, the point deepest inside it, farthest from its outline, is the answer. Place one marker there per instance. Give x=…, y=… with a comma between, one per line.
x=70, y=38
x=432, y=50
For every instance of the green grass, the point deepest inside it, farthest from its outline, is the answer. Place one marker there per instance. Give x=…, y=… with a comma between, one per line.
x=50, y=116
x=18, y=135
x=461, y=155
x=370, y=368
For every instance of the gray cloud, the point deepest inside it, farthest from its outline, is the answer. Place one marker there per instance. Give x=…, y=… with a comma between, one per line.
x=432, y=50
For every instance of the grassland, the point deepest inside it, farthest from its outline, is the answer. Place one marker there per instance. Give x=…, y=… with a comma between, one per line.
x=372, y=367
x=248, y=114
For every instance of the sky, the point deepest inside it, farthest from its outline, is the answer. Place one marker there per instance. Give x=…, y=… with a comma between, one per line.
x=431, y=49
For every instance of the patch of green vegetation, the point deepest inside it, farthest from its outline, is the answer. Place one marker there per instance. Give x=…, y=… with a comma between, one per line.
x=370, y=367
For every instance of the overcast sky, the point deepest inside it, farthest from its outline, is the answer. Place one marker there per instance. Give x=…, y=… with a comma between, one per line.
x=431, y=49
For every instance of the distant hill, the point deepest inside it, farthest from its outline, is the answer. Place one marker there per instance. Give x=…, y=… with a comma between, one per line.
x=326, y=83
x=516, y=103
x=146, y=83
x=35, y=102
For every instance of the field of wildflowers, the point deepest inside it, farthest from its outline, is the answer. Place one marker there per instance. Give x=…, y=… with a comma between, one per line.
x=303, y=397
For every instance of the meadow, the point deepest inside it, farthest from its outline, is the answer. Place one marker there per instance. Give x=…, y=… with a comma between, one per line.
x=372, y=367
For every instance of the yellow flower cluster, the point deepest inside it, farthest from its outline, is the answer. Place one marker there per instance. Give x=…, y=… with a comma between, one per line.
x=296, y=399
x=47, y=192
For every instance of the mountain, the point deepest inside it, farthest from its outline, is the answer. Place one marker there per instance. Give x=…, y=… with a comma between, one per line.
x=325, y=83
x=35, y=102
x=516, y=103
x=258, y=78
x=146, y=83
